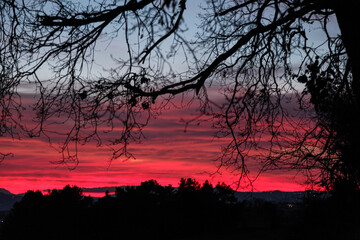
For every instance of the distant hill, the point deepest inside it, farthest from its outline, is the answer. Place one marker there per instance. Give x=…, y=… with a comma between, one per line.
x=7, y=199
x=279, y=196
x=271, y=196
x=3, y=190
x=98, y=189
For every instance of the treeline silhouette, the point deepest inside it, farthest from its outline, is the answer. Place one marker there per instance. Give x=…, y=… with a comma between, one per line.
x=190, y=211
x=149, y=211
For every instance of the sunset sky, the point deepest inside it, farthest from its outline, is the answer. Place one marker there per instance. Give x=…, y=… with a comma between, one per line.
x=167, y=154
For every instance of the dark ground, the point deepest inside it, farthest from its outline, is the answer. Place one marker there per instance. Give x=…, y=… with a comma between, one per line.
x=188, y=213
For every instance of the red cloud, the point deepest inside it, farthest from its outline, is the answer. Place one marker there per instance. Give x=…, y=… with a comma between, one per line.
x=167, y=154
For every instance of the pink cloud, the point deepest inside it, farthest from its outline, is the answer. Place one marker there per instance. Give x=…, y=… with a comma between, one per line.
x=167, y=154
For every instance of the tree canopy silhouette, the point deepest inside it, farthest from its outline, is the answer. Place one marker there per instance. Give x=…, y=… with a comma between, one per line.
x=57, y=215
x=256, y=52
x=148, y=211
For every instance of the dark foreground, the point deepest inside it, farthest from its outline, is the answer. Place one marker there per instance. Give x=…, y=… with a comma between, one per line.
x=191, y=211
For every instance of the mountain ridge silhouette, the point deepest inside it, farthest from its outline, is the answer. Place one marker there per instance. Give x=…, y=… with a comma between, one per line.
x=8, y=199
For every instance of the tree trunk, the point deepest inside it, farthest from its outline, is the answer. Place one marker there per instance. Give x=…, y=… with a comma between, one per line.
x=348, y=17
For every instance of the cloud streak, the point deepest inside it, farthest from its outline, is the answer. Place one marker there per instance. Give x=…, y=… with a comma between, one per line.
x=167, y=154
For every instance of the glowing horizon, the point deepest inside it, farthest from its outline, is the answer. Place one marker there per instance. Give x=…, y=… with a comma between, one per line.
x=167, y=154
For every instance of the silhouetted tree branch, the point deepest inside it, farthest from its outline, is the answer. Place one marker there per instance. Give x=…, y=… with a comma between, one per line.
x=258, y=52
